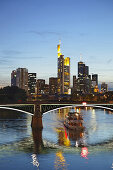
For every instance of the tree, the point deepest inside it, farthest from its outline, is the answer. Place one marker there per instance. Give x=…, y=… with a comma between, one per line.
x=12, y=95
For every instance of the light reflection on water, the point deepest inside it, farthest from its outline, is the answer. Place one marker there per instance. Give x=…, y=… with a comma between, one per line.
x=98, y=128
x=56, y=147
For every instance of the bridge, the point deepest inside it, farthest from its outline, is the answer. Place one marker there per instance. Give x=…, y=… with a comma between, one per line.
x=36, y=110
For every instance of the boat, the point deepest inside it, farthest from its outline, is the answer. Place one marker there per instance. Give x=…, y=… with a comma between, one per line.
x=73, y=121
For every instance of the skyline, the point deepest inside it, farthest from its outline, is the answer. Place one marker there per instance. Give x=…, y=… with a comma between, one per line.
x=30, y=32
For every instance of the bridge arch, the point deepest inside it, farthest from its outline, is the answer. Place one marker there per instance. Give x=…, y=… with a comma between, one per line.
x=102, y=107
x=59, y=106
x=9, y=108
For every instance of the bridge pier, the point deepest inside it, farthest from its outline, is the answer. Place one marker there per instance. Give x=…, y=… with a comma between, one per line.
x=37, y=118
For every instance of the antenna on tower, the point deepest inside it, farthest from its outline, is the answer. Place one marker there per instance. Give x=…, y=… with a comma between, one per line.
x=59, y=41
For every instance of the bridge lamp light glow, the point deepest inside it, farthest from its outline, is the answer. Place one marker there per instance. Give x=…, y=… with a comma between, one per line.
x=84, y=103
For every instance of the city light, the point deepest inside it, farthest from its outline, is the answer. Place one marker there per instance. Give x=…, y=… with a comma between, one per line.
x=84, y=103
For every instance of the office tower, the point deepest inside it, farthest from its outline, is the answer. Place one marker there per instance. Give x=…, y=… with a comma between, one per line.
x=74, y=83
x=53, y=85
x=40, y=86
x=104, y=87
x=81, y=69
x=95, y=80
x=66, y=75
x=31, y=83
x=84, y=81
x=86, y=71
x=63, y=73
x=81, y=77
x=13, y=78
x=22, y=78
x=46, y=89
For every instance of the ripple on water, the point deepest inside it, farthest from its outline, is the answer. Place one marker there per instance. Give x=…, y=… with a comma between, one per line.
x=98, y=128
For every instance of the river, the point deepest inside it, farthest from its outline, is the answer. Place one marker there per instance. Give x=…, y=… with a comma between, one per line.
x=55, y=147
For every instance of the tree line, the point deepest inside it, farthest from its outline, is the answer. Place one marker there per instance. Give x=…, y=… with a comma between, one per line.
x=12, y=95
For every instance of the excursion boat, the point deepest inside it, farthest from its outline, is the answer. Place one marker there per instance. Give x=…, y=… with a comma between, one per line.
x=73, y=121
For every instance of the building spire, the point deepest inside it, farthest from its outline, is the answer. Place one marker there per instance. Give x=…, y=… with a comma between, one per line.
x=58, y=49
x=80, y=56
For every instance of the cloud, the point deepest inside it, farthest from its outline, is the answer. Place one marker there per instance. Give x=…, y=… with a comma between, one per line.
x=11, y=52
x=44, y=33
x=82, y=34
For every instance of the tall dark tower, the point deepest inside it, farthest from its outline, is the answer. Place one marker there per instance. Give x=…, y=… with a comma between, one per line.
x=95, y=78
x=81, y=69
x=86, y=71
x=84, y=82
x=31, y=83
x=13, y=78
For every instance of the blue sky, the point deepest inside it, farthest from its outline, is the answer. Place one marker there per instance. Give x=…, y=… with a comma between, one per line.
x=30, y=31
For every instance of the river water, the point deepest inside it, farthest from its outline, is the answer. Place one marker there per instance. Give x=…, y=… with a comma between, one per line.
x=55, y=147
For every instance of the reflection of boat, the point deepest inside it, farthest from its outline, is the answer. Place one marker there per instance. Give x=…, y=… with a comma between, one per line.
x=73, y=121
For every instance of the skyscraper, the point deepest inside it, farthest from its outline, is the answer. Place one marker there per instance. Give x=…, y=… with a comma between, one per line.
x=66, y=75
x=13, y=78
x=63, y=72
x=22, y=78
x=40, y=86
x=81, y=69
x=31, y=83
x=53, y=85
x=84, y=82
x=104, y=87
x=95, y=79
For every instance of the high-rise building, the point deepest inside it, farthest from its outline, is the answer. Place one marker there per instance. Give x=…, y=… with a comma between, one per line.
x=22, y=78
x=95, y=80
x=86, y=71
x=31, y=83
x=46, y=89
x=40, y=86
x=104, y=87
x=84, y=81
x=13, y=78
x=81, y=69
x=74, y=83
x=66, y=75
x=61, y=74
x=53, y=85
x=63, y=82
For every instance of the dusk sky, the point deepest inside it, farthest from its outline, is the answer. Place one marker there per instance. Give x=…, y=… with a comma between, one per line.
x=30, y=31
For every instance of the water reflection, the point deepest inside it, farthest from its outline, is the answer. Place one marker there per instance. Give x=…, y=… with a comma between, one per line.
x=38, y=142
x=68, y=137
x=35, y=160
x=84, y=152
x=56, y=146
x=63, y=138
x=13, y=126
x=98, y=128
x=60, y=162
